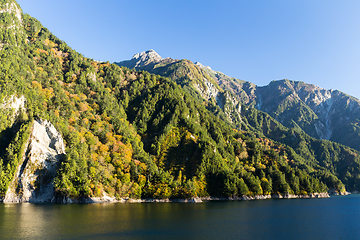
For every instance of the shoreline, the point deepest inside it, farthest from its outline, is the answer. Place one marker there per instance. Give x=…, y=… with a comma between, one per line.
x=108, y=199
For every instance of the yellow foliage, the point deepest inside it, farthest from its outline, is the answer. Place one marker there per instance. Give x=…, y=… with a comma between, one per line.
x=85, y=121
x=74, y=97
x=50, y=43
x=95, y=107
x=72, y=121
x=94, y=156
x=118, y=137
x=42, y=51
x=103, y=149
x=83, y=97
x=98, y=190
x=143, y=166
x=142, y=180
x=83, y=107
x=126, y=178
x=36, y=85
x=49, y=92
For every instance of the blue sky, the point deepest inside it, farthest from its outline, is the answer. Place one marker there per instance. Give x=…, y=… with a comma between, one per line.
x=259, y=41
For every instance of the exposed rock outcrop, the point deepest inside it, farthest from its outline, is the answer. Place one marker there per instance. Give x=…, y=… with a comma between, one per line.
x=33, y=181
x=146, y=57
x=12, y=8
x=210, y=91
x=142, y=59
x=14, y=103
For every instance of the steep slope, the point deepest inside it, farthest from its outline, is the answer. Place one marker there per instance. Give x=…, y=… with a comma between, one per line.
x=202, y=152
x=323, y=114
x=67, y=89
x=302, y=107
x=33, y=181
x=130, y=133
x=127, y=133
x=192, y=78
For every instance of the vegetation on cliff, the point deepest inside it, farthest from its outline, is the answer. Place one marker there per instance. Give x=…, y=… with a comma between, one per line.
x=134, y=134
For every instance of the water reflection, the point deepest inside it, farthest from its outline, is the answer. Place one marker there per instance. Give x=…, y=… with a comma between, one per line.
x=26, y=221
x=334, y=218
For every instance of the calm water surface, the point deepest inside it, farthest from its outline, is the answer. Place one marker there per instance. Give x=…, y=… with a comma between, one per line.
x=332, y=218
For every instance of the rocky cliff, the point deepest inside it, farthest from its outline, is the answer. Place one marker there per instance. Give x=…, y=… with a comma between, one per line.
x=142, y=59
x=321, y=113
x=194, y=75
x=33, y=181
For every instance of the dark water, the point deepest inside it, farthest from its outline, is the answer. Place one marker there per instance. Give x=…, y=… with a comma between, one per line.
x=332, y=218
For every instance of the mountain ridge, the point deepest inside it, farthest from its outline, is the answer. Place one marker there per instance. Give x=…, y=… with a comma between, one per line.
x=133, y=134
x=296, y=105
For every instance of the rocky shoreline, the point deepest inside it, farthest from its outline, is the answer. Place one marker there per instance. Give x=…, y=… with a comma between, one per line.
x=109, y=199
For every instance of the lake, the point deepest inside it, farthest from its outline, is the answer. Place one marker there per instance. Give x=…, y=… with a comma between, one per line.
x=337, y=217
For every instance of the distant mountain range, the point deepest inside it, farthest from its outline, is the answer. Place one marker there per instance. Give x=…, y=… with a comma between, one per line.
x=322, y=114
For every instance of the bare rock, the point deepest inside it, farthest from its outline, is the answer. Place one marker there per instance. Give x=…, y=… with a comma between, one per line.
x=33, y=181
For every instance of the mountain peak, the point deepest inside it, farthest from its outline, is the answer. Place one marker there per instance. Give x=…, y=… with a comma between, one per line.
x=146, y=57
x=202, y=66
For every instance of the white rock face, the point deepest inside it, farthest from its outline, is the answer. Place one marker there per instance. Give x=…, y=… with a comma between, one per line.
x=16, y=103
x=321, y=102
x=12, y=8
x=209, y=92
x=33, y=181
x=205, y=67
x=146, y=57
x=92, y=76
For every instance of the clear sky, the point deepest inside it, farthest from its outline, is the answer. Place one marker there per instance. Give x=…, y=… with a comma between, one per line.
x=314, y=41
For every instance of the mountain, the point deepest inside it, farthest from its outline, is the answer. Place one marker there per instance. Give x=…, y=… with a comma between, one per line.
x=190, y=77
x=296, y=109
x=323, y=114
x=74, y=129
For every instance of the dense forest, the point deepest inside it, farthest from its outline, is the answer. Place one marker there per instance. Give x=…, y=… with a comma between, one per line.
x=328, y=161
x=140, y=135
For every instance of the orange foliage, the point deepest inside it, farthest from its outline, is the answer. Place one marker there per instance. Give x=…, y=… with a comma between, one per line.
x=42, y=51
x=103, y=149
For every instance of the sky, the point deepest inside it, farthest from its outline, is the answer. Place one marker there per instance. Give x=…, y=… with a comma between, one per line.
x=316, y=42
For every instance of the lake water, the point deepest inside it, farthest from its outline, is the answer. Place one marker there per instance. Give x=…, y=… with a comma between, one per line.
x=337, y=217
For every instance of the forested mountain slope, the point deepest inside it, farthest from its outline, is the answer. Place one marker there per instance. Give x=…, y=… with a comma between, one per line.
x=237, y=102
x=131, y=133
x=323, y=114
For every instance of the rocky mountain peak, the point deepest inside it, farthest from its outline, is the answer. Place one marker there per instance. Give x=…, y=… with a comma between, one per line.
x=204, y=67
x=146, y=57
